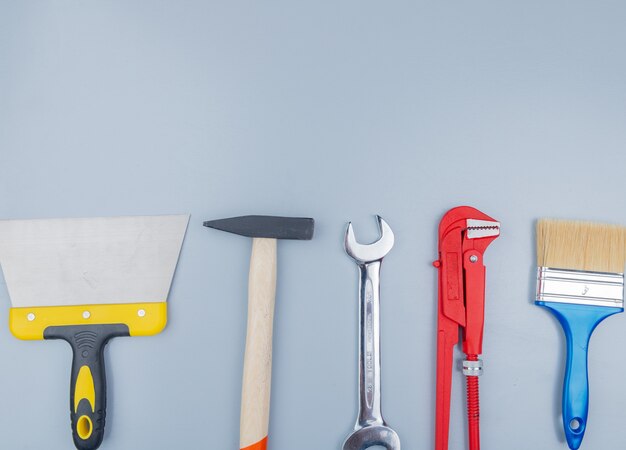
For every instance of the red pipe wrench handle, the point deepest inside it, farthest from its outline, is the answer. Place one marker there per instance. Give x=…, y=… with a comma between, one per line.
x=451, y=315
x=447, y=338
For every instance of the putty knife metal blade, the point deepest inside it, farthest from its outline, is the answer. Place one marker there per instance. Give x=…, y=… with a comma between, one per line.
x=52, y=262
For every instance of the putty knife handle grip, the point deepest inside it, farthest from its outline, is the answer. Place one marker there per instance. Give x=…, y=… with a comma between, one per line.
x=257, y=368
x=578, y=322
x=88, y=379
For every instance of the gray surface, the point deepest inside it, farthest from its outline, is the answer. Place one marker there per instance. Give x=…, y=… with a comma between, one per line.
x=338, y=111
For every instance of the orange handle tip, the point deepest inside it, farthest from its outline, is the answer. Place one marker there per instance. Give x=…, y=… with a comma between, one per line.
x=261, y=445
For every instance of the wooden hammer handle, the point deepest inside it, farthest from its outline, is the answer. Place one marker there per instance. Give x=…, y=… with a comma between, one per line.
x=257, y=367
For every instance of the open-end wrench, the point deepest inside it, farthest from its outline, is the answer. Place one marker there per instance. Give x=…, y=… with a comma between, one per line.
x=370, y=428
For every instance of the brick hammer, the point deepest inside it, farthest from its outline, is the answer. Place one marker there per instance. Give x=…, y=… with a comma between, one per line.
x=257, y=366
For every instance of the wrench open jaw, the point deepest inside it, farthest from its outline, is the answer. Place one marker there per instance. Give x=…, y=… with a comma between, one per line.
x=365, y=253
x=370, y=428
x=464, y=235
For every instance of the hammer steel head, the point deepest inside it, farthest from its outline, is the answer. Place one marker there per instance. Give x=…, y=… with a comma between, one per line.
x=365, y=253
x=274, y=227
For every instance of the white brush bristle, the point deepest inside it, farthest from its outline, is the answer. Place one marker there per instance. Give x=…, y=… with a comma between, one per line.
x=575, y=245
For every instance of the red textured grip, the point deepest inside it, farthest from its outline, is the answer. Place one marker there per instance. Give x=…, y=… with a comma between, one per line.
x=473, y=408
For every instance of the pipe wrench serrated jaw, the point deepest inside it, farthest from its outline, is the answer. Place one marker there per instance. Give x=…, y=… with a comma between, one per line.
x=464, y=235
x=477, y=229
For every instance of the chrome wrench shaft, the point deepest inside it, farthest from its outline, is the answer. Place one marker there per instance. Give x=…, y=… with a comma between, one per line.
x=369, y=345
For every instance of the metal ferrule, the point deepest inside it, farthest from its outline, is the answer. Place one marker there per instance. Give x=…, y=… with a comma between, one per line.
x=580, y=287
x=472, y=368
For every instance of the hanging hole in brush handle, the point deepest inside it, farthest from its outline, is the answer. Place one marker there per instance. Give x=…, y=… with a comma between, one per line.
x=88, y=378
x=576, y=425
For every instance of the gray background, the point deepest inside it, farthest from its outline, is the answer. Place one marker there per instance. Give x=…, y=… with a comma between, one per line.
x=336, y=110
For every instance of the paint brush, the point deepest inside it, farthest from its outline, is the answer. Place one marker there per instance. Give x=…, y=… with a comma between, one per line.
x=580, y=279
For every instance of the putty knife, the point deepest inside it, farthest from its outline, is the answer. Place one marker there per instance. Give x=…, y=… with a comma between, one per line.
x=86, y=281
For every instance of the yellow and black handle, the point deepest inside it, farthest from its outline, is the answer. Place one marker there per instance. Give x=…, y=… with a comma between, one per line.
x=88, y=380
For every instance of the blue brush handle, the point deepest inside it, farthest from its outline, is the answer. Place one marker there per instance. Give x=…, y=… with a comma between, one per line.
x=578, y=322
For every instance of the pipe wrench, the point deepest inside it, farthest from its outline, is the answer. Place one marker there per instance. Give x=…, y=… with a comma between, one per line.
x=464, y=235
